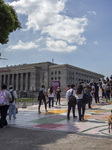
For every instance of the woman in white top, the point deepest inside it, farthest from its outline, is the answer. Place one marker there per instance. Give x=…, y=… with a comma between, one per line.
x=81, y=105
x=51, y=97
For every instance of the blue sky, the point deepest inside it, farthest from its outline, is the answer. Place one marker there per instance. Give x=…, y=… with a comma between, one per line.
x=75, y=32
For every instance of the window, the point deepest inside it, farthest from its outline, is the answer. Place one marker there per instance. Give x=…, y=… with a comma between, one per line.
x=59, y=78
x=51, y=73
x=55, y=72
x=55, y=78
x=59, y=72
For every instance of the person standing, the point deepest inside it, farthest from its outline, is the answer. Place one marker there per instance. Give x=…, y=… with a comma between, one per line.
x=81, y=105
x=58, y=95
x=111, y=86
x=51, y=95
x=42, y=96
x=96, y=92
x=87, y=90
x=71, y=105
x=107, y=89
x=12, y=105
x=5, y=98
x=103, y=89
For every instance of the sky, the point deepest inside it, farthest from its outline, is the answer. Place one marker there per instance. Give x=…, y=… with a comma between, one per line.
x=74, y=32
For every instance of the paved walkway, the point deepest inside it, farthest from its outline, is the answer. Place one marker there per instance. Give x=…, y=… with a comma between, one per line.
x=55, y=119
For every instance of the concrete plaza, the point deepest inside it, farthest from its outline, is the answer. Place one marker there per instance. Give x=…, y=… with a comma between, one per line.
x=47, y=131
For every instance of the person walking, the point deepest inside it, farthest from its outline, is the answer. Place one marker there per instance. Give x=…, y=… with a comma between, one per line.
x=5, y=98
x=42, y=96
x=51, y=95
x=58, y=95
x=71, y=105
x=81, y=105
x=12, y=105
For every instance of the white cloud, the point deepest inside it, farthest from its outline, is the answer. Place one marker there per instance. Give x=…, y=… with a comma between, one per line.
x=92, y=12
x=22, y=46
x=39, y=12
x=40, y=39
x=67, y=29
x=44, y=16
x=59, y=46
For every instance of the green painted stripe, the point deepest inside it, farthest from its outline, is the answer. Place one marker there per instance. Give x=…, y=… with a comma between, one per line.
x=91, y=128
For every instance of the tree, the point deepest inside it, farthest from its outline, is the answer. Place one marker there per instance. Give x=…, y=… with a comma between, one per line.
x=8, y=21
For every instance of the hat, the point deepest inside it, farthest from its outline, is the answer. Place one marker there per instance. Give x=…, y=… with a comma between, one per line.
x=10, y=87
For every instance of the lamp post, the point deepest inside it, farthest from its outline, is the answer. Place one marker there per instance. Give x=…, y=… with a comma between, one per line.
x=2, y=57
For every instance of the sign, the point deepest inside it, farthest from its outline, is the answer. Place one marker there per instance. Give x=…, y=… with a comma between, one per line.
x=55, y=85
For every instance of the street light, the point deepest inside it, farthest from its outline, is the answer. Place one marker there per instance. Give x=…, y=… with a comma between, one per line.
x=2, y=57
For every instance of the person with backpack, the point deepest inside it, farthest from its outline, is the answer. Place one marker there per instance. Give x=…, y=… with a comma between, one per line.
x=87, y=90
x=70, y=95
x=5, y=98
x=42, y=96
x=12, y=104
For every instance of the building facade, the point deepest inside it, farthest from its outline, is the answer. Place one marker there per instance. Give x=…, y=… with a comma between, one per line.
x=27, y=78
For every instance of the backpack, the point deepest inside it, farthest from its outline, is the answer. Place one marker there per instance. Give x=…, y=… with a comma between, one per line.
x=72, y=99
x=3, y=99
x=86, y=98
x=12, y=96
x=41, y=95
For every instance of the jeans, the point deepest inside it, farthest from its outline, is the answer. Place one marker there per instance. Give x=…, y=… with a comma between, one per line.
x=51, y=99
x=12, y=110
x=108, y=94
x=96, y=95
x=69, y=109
x=90, y=102
x=40, y=102
x=81, y=108
x=58, y=98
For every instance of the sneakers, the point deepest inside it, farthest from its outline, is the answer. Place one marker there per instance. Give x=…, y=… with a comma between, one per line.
x=46, y=111
x=14, y=118
x=39, y=111
x=75, y=117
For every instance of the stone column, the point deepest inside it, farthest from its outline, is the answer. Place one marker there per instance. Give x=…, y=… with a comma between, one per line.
x=17, y=81
x=21, y=82
x=32, y=86
x=26, y=80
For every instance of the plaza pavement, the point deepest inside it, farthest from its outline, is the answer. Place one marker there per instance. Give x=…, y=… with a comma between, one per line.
x=95, y=123
x=52, y=131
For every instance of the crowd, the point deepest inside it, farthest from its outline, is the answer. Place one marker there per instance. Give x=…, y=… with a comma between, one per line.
x=74, y=96
x=7, y=101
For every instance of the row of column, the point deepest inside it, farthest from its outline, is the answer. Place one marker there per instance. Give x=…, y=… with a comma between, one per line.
x=20, y=81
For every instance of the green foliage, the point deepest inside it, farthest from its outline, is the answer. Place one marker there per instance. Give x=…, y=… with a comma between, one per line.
x=8, y=21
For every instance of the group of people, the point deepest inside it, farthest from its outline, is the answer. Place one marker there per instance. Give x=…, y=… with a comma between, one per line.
x=7, y=101
x=91, y=89
x=48, y=95
x=106, y=86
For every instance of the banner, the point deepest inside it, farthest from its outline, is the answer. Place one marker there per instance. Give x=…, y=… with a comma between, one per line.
x=55, y=85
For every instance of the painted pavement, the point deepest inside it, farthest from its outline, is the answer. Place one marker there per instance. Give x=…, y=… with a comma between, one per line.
x=95, y=119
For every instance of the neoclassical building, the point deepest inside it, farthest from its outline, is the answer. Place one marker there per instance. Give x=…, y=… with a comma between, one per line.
x=27, y=78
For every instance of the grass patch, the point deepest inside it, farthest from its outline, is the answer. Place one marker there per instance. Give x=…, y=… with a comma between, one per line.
x=26, y=99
